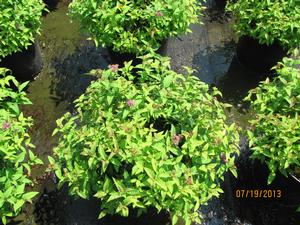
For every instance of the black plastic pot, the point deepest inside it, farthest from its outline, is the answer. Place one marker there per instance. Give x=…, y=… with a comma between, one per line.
x=258, y=57
x=26, y=64
x=220, y=4
x=150, y=218
x=57, y=207
x=274, y=204
x=120, y=58
x=50, y=4
x=238, y=81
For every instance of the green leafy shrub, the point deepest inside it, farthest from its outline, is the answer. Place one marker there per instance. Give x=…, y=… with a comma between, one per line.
x=15, y=156
x=134, y=26
x=268, y=21
x=19, y=23
x=161, y=141
x=275, y=138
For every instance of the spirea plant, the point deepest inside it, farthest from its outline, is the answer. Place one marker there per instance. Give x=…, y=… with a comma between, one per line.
x=275, y=137
x=134, y=26
x=16, y=157
x=19, y=24
x=268, y=21
x=159, y=142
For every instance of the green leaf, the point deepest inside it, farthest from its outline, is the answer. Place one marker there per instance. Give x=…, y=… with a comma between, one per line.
x=114, y=196
x=100, y=194
x=174, y=219
x=271, y=177
x=109, y=99
x=22, y=86
x=4, y=221
x=101, y=215
x=167, y=81
x=233, y=171
x=125, y=211
x=28, y=196
x=149, y=172
x=14, y=107
x=18, y=204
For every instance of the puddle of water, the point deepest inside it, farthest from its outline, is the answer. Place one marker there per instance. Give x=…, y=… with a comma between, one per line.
x=66, y=54
x=59, y=38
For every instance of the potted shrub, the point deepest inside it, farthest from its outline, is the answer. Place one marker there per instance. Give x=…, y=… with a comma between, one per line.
x=267, y=30
x=276, y=126
x=134, y=27
x=19, y=24
x=16, y=158
x=161, y=142
x=275, y=134
x=271, y=146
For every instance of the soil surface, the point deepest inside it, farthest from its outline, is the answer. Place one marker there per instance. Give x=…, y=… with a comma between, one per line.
x=68, y=56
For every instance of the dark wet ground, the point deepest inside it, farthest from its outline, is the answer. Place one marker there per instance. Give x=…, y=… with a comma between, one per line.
x=210, y=49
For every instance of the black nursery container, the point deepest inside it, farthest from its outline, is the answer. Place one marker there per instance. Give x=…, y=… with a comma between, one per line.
x=26, y=64
x=238, y=80
x=51, y=4
x=252, y=199
x=258, y=57
x=220, y=4
x=121, y=58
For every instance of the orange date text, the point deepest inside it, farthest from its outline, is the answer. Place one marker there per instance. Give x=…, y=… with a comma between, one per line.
x=258, y=193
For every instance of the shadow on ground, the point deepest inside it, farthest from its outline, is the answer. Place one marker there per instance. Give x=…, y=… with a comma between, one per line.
x=57, y=208
x=71, y=79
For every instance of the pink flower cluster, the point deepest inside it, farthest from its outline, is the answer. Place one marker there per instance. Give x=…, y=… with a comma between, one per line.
x=176, y=139
x=130, y=102
x=223, y=158
x=114, y=67
x=5, y=125
x=159, y=13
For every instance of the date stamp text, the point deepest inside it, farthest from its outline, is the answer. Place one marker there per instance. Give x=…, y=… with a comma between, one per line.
x=258, y=193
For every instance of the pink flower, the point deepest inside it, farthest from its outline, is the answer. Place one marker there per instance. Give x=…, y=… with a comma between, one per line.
x=159, y=13
x=223, y=158
x=130, y=102
x=189, y=181
x=176, y=139
x=114, y=67
x=5, y=125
